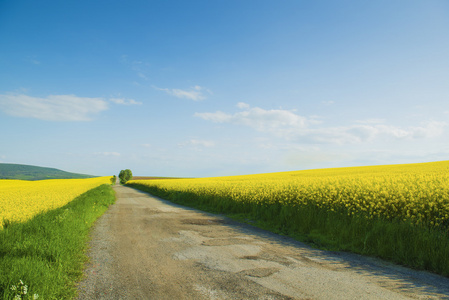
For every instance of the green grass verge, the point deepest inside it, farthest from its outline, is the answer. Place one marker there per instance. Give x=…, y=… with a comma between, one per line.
x=47, y=253
x=402, y=243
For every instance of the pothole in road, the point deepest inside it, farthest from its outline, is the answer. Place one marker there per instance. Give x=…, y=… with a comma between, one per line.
x=268, y=257
x=259, y=272
x=148, y=211
x=225, y=242
x=203, y=222
x=251, y=257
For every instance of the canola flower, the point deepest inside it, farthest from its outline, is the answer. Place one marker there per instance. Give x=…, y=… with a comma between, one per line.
x=21, y=200
x=414, y=193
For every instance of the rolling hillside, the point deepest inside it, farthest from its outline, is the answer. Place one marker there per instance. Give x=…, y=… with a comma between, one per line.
x=26, y=172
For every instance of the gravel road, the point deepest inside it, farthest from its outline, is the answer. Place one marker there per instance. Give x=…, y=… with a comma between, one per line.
x=147, y=248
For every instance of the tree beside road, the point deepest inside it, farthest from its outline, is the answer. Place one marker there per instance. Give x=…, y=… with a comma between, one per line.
x=125, y=175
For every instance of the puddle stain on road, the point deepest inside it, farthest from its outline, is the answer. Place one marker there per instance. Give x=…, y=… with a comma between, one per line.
x=203, y=221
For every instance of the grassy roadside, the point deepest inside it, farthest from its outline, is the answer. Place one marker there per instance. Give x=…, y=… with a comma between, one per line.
x=47, y=253
x=400, y=242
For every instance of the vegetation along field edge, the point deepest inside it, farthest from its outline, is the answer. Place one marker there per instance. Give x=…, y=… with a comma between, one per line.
x=44, y=257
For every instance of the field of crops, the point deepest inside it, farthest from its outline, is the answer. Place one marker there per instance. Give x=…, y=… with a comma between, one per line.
x=21, y=200
x=416, y=193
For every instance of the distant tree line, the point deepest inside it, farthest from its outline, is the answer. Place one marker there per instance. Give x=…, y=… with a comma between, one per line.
x=125, y=175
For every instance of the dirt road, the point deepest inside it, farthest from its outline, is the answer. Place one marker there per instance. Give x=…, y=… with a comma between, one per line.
x=147, y=248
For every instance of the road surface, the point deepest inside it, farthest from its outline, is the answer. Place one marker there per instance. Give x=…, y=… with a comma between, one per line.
x=147, y=248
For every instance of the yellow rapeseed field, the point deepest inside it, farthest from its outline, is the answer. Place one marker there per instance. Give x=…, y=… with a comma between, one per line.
x=415, y=193
x=21, y=200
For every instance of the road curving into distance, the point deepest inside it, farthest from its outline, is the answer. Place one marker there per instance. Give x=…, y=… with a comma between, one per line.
x=148, y=248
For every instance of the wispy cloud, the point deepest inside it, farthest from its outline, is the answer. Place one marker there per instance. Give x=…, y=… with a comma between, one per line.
x=293, y=127
x=196, y=142
x=138, y=66
x=361, y=133
x=371, y=121
x=53, y=107
x=243, y=105
x=108, y=154
x=123, y=101
x=258, y=118
x=35, y=61
x=32, y=59
x=195, y=93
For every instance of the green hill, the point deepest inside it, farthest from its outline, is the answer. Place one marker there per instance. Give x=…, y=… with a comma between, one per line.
x=26, y=172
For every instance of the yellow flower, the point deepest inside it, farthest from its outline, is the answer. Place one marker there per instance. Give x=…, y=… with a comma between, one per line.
x=21, y=200
x=413, y=192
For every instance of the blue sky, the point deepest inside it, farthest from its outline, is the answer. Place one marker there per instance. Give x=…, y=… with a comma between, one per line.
x=212, y=88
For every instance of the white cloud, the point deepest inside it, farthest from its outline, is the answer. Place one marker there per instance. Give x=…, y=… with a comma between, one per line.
x=122, y=101
x=216, y=117
x=195, y=142
x=195, y=93
x=288, y=125
x=202, y=143
x=53, y=107
x=258, y=118
x=243, y=105
x=371, y=121
x=108, y=154
x=363, y=133
x=430, y=129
